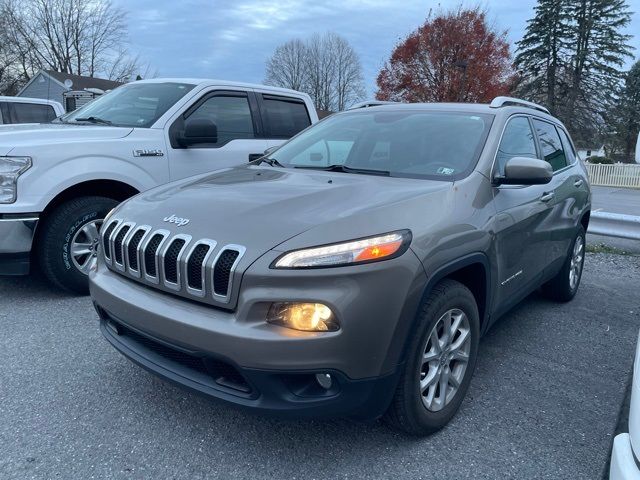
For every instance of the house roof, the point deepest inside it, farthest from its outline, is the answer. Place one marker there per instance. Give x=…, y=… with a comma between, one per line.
x=80, y=82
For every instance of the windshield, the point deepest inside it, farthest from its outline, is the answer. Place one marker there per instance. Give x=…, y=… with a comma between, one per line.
x=132, y=105
x=419, y=144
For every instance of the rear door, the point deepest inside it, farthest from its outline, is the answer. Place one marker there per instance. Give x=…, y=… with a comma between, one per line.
x=282, y=117
x=522, y=219
x=236, y=116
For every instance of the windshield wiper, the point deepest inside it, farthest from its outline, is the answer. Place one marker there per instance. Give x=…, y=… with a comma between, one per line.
x=272, y=162
x=94, y=120
x=345, y=169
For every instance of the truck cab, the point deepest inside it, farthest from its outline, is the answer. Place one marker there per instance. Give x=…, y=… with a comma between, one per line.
x=58, y=180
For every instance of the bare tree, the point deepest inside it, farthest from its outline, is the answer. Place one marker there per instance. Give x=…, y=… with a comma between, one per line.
x=325, y=66
x=286, y=67
x=82, y=37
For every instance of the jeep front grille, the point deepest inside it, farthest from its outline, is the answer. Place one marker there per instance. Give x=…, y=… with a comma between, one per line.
x=173, y=262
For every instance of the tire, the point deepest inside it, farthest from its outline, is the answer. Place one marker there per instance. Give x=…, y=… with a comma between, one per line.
x=562, y=288
x=409, y=410
x=57, y=233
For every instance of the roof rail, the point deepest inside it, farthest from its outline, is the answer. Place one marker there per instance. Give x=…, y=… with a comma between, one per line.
x=504, y=101
x=369, y=103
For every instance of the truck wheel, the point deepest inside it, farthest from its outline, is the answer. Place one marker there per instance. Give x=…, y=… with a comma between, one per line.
x=440, y=361
x=564, y=286
x=68, y=240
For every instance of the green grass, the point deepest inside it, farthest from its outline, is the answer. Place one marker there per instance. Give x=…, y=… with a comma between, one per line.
x=602, y=248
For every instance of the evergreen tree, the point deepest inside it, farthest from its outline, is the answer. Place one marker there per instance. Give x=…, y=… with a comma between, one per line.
x=570, y=58
x=598, y=51
x=542, y=54
x=629, y=122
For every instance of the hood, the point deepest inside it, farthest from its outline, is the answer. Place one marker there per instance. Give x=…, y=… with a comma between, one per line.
x=261, y=207
x=12, y=136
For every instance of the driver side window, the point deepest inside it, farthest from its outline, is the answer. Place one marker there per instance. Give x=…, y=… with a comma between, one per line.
x=230, y=113
x=517, y=141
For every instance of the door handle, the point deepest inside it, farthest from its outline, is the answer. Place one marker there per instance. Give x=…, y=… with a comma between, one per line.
x=255, y=156
x=577, y=183
x=547, y=196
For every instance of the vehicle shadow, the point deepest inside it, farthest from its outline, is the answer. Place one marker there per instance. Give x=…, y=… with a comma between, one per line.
x=33, y=285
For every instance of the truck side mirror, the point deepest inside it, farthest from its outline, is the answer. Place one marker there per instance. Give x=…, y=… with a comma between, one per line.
x=198, y=131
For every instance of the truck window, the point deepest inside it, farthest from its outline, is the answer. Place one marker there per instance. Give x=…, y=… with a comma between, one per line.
x=31, y=113
x=284, y=117
x=551, y=144
x=230, y=113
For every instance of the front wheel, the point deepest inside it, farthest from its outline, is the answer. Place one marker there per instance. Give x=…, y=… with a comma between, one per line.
x=69, y=239
x=440, y=362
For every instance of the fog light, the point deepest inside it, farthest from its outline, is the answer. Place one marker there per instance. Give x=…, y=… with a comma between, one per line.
x=325, y=380
x=309, y=317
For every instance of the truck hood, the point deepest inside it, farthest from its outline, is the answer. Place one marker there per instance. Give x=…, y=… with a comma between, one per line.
x=30, y=134
x=262, y=207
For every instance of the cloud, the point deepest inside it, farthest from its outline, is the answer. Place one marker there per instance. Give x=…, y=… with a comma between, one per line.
x=233, y=39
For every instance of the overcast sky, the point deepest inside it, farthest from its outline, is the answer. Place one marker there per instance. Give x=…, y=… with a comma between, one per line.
x=232, y=40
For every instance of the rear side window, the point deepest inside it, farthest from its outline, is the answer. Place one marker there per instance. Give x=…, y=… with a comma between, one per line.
x=284, y=117
x=550, y=144
x=517, y=141
x=568, y=147
x=4, y=113
x=230, y=113
x=31, y=113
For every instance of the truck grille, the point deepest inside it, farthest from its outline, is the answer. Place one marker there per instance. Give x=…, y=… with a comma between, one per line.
x=178, y=263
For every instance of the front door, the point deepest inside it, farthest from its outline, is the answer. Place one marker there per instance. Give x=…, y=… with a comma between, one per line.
x=523, y=218
x=235, y=114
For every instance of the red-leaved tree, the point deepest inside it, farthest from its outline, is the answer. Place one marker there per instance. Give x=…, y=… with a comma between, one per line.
x=454, y=57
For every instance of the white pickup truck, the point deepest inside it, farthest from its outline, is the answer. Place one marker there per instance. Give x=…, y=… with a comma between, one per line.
x=58, y=180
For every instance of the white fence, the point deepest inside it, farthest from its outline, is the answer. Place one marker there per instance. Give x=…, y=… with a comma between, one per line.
x=619, y=175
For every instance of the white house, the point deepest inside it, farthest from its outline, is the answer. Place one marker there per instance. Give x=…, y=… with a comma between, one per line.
x=585, y=152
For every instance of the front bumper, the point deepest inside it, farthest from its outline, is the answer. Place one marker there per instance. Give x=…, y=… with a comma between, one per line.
x=623, y=463
x=275, y=392
x=16, y=238
x=238, y=357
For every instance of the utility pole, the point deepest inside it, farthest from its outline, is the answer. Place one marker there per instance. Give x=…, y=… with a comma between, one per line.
x=462, y=65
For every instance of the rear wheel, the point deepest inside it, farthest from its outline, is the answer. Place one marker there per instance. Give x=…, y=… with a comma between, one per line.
x=69, y=239
x=440, y=363
x=564, y=286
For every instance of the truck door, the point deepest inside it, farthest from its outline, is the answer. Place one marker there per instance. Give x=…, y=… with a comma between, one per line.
x=235, y=114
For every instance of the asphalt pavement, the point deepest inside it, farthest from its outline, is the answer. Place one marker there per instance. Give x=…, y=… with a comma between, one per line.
x=543, y=404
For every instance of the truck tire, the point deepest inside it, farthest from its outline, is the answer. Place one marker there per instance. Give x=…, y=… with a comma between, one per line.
x=67, y=241
x=440, y=361
x=564, y=286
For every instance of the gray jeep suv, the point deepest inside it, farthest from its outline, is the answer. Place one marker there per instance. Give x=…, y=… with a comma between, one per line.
x=352, y=271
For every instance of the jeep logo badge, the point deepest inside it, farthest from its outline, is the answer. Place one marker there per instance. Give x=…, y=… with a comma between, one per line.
x=181, y=222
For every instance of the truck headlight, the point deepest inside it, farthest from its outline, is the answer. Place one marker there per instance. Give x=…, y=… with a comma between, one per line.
x=365, y=250
x=10, y=169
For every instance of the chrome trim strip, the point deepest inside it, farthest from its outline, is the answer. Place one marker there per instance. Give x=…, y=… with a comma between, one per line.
x=241, y=251
x=25, y=219
x=154, y=279
x=109, y=259
x=131, y=271
x=194, y=291
x=120, y=266
x=161, y=257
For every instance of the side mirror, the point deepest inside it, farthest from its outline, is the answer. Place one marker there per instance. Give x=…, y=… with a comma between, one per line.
x=198, y=131
x=525, y=171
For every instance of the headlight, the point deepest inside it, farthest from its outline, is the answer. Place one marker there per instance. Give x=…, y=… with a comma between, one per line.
x=372, y=249
x=10, y=169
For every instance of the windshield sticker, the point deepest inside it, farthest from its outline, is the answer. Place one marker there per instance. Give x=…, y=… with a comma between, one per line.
x=445, y=171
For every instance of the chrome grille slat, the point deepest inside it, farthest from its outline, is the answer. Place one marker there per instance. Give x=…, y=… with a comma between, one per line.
x=199, y=268
x=199, y=292
x=162, y=260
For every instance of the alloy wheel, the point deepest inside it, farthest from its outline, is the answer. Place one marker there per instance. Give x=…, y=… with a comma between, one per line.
x=575, y=268
x=84, y=245
x=445, y=359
